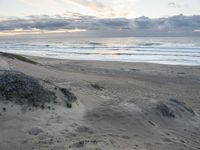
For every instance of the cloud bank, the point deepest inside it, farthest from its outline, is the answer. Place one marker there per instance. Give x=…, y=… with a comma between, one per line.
x=179, y=25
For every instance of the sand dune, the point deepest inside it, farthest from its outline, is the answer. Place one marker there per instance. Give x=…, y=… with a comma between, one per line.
x=118, y=106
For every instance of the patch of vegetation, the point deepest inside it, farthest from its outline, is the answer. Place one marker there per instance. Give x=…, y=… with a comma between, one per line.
x=21, y=89
x=165, y=111
x=69, y=95
x=4, y=109
x=97, y=87
x=182, y=104
x=82, y=143
x=18, y=57
x=176, y=101
x=68, y=105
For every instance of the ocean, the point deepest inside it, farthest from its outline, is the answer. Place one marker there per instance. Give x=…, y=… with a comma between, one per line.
x=161, y=50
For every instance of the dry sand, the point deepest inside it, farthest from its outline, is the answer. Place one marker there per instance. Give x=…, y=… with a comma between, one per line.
x=120, y=106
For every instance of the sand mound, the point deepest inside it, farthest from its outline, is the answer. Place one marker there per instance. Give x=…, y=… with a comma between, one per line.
x=174, y=109
x=21, y=89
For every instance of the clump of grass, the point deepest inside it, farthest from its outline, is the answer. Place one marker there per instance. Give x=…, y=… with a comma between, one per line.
x=165, y=111
x=18, y=57
x=97, y=87
x=69, y=95
x=21, y=89
x=68, y=105
x=4, y=109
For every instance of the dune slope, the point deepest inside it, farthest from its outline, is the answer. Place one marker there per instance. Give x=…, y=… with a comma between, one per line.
x=103, y=105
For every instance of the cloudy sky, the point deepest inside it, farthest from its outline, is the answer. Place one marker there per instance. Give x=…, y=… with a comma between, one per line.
x=120, y=17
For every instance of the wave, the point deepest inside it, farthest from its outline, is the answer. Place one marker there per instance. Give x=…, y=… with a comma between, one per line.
x=150, y=44
x=126, y=49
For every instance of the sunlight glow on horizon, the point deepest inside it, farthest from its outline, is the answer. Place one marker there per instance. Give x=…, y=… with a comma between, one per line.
x=38, y=31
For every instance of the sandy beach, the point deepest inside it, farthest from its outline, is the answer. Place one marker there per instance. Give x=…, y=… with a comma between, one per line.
x=119, y=106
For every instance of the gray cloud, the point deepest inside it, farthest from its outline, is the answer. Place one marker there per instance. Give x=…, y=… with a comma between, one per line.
x=173, y=5
x=179, y=25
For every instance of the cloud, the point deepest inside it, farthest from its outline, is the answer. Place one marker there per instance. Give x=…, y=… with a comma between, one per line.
x=197, y=30
x=98, y=8
x=173, y=5
x=172, y=26
x=108, y=8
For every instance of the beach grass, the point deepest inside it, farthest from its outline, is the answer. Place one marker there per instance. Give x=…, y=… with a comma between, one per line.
x=18, y=57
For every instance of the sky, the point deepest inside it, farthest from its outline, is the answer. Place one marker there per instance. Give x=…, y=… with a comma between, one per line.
x=123, y=17
x=100, y=8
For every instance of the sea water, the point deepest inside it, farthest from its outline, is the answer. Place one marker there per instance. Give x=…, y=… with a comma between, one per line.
x=161, y=50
